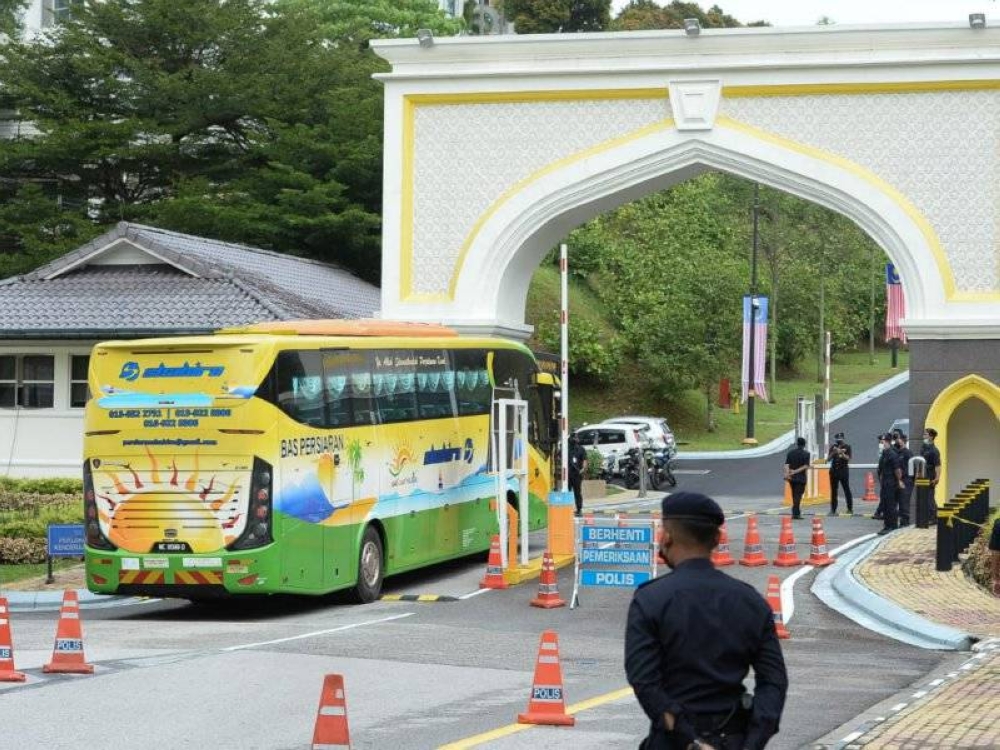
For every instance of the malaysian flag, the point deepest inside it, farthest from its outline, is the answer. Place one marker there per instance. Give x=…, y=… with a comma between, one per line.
x=895, y=307
x=759, y=347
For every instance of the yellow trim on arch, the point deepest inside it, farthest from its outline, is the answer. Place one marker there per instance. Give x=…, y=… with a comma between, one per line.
x=944, y=268
x=884, y=87
x=411, y=101
x=947, y=401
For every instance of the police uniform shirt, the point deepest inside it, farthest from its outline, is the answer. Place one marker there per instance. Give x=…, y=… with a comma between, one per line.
x=690, y=638
x=932, y=456
x=577, y=457
x=888, y=460
x=838, y=464
x=797, y=458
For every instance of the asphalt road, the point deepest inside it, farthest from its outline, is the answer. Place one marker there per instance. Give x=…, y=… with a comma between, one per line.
x=426, y=675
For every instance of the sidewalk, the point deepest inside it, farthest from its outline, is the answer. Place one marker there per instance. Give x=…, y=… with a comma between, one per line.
x=962, y=709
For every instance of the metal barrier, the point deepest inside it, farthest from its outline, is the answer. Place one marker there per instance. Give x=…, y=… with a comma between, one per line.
x=959, y=521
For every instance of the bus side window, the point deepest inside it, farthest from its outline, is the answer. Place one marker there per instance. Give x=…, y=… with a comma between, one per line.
x=394, y=386
x=300, y=387
x=435, y=385
x=473, y=391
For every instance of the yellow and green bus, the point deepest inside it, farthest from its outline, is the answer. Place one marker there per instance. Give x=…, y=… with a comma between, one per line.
x=299, y=457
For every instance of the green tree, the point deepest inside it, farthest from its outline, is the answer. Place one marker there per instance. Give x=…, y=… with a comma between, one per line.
x=550, y=16
x=10, y=11
x=243, y=120
x=648, y=14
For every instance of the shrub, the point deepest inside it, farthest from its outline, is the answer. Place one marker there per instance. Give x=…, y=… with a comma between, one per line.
x=42, y=486
x=16, y=501
x=21, y=551
x=594, y=463
x=977, y=563
x=32, y=522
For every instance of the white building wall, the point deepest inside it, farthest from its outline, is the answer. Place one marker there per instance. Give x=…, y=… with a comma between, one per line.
x=44, y=442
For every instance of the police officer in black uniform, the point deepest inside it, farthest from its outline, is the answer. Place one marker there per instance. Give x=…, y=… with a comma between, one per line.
x=891, y=484
x=691, y=638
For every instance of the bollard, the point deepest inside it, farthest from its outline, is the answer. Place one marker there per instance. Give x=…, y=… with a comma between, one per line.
x=945, y=542
x=924, y=502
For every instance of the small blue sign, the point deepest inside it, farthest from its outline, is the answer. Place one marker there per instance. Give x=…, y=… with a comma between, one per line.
x=617, y=534
x=618, y=578
x=611, y=556
x=65, y=540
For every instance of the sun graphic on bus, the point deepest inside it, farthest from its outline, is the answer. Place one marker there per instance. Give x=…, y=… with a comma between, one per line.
x=402, y=454
x=142, y=506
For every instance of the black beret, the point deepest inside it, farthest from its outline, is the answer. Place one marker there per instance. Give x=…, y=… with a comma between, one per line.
x=692, y=506
x=839, y=436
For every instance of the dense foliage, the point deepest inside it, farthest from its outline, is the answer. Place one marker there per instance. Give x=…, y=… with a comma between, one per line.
x=672, y=269
x=9, y=17
x=241, y=120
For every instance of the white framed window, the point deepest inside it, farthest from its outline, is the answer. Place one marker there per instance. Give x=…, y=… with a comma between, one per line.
x=79, y=393
x=55, y=11
x=27, y=380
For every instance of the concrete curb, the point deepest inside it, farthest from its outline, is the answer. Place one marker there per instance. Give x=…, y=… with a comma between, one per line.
x=51, y=601
x=838, y=588
x=782, y=442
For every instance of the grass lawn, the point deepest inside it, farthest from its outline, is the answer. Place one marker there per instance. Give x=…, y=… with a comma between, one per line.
x=850, y=374
x=14, y=573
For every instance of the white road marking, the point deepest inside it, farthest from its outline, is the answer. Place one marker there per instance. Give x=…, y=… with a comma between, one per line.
x=317, y=632
x=471, y=594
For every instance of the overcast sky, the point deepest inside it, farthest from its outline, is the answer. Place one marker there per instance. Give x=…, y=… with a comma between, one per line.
x=807, y=12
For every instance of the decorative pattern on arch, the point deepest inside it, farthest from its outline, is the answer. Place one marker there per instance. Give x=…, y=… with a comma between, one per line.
x=952, y=397
x=515, y=233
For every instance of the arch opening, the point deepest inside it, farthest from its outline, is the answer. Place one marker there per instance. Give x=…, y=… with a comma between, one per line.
x=519, y=229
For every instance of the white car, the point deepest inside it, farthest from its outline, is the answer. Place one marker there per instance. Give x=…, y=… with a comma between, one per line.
x=612, y=439
x=659, y=431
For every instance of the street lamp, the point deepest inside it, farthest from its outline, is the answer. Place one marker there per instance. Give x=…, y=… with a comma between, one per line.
x=754, y=304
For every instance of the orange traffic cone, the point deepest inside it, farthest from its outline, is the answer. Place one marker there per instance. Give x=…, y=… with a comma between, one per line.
x=7, y=671
x=547, y=704
x=788, y=555
x=720, y=555
x=753, y=552
x=774, y=599
x=494, y=567
x=331, y=718
x=818, y=555
x=870, y=496
x=67, y=655
x=548, y=592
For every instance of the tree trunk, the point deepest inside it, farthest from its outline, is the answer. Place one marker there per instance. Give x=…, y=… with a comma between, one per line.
x=710, y=409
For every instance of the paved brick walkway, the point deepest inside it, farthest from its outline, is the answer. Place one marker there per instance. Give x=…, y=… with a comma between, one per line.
x=902, y=569
x=960, y=711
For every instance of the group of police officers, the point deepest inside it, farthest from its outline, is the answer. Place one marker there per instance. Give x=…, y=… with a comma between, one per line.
x=896, y=473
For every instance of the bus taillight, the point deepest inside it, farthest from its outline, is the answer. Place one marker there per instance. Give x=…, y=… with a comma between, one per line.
x=95, y=537
x=258, y=530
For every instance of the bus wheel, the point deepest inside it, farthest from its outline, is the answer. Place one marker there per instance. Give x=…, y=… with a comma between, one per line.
x=370, y=567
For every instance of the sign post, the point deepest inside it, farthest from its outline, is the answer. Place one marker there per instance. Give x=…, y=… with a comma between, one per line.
x=618, y=553
x=64, y=540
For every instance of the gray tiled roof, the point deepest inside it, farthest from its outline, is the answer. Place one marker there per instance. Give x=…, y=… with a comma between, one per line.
x=201, y=285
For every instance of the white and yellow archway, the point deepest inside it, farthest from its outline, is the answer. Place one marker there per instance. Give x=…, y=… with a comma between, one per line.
x=966, y=415
x=496, y=147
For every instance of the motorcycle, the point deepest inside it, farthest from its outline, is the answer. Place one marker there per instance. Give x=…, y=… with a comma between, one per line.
x=659, y=468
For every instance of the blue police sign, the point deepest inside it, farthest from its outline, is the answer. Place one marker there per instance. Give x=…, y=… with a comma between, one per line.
x=617, y=534
x=617, y=578
x=612, y=556
x=65, y=540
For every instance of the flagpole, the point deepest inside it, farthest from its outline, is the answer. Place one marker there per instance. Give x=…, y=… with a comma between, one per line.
x=751, y=355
